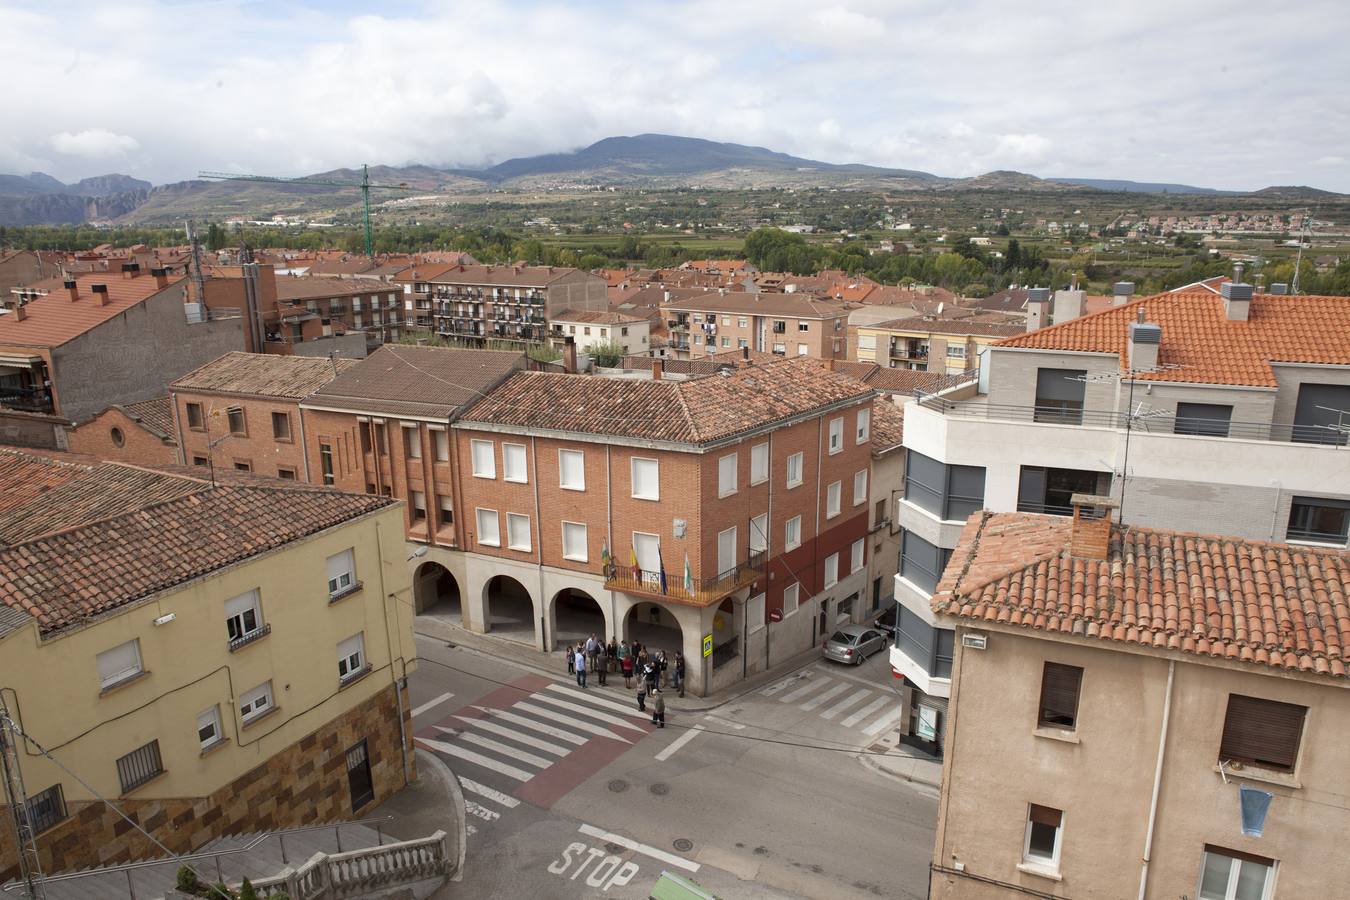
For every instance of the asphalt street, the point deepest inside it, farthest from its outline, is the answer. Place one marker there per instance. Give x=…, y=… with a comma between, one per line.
x=573, y=793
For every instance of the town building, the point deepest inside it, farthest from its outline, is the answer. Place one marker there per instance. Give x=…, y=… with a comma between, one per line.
x=369, y=306
x=139, y=433
x=781, y=324
x=1140, y=712
x=211, y=658
x=947, y=344
x=1196, y=412
x=477, y=304
x=242, y=412
x=630, y=333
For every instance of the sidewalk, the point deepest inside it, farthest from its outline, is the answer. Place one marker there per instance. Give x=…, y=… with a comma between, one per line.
x=432, y=802
x=893, y=759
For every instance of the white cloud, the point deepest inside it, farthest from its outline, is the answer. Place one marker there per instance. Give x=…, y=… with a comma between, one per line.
x=94, y=143
x=1022, y=147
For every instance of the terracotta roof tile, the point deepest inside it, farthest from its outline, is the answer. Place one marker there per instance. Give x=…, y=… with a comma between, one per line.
x=403, y=379
x=1274, y=605
x=155, y=414
x=597, y=317
x=54, y=319
x=319, y=287
x=264, y=375
x=1204, y=345
x=888, y=426
x=25, y=475
x=787, y=306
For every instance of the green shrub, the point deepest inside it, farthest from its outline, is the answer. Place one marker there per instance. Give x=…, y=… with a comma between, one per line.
x=187, y=880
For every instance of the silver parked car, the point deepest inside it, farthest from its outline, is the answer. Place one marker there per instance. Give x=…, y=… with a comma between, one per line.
x=854, y=643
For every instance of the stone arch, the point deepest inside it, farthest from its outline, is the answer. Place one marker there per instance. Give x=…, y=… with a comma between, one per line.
x=575, y=615
x=436, y=592
x=510, y=609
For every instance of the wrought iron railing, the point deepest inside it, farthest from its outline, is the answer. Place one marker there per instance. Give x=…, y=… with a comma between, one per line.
x=27, y=399
x=672, y=584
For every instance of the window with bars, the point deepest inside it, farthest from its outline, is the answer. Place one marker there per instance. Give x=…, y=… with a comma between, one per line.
x=139, y=766
x=1262, y=732
x=46, y=809
x=1060, y=686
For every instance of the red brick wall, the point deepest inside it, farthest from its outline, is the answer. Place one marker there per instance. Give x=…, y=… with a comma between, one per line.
x=259, y=448
x=139, y=446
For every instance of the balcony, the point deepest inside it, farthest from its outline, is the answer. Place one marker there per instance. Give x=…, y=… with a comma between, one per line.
x=670, y=585
x=909, y=351
x=27, y=399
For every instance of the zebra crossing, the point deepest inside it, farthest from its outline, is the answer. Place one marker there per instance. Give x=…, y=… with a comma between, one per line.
x=830, y=697
x=534, y=740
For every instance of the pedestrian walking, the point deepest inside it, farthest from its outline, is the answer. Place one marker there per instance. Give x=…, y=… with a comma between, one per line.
x=659, y=710
x=642, y=698
x=601, y=666
x=627, y=664
x=612, y=653
x=649, y=677
x=592, y=647
x=679, y=672
x=571, y=653
x=581, y=669
x=661, y=666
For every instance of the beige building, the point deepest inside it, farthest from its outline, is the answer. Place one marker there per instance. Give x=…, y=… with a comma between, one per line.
x=782, y=324
x=946, y=344
x=234, y=660
x=589, y=327
x=1117, y=691
x=884, y=492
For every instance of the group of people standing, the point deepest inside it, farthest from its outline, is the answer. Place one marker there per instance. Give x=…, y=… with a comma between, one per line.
x=653, y=671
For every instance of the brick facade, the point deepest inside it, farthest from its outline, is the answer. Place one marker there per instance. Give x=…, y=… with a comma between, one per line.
x=304, y=784
x=259, y=447
x=99, y=437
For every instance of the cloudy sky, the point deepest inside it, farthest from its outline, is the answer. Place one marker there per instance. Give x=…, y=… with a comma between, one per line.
x=1234, y=95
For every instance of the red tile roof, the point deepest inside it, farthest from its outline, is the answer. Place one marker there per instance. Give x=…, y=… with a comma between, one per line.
x=25, y=475
x=53, y=320
x=264, y=375
x=1204, y=345
x=787, y=306
x=1273, y=605
x=319, y=287
x=597, y=317
x=407, y=380
x=155, y=415
x=888, y=426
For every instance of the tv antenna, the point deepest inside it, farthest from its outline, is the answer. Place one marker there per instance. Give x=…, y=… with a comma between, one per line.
x=1304, y=239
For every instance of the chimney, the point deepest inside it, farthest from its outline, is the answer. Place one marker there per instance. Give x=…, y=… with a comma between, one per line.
x=101, y=294
x=1279, y=288
x=73, y=288
x=1145, y=339
x=1237, y=300
x=1069, y=303
x=665, y=296
x=1238, y=268
x=1091, y=534
x=658, y=369
x=161, y=277
x=570, y=355
x=131, y=270
x=745, y=354
x=1038, y=308
x=1122, y=292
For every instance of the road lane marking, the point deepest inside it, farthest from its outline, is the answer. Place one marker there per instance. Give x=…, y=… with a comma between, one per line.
x=826, y=695
x=865, y=712
x=844, y=704
x=477, y=759
x=884, y=722
x=512, y=733
x=678, y=743
x=571, y=722
x=587, y=711
x=610, y=837
x=511, y=752
x=778, y=685
x=721, y=721
x=805, y=689
x=531, y=724
x=488, y=793
x=434, y=701
x=575, y=694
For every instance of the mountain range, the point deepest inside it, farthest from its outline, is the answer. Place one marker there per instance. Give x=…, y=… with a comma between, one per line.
x=653, y=161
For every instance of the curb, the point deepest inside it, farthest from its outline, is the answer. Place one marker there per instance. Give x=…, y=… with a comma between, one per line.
x=870, y=763
x=446, y=775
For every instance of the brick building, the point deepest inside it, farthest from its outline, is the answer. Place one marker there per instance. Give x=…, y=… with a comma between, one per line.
x=364, y=305
x=135, y=432
x=782, y=324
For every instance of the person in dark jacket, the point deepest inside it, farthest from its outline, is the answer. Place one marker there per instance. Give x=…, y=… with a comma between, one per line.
x=642, y=697
x=659, y=710
x=679, y=672
x=601, y=665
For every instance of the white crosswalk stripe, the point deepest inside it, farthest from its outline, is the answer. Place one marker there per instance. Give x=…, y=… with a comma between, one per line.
x=805, y=689
x=884, y=722
x=571, y=721
x=865, y=712
x=478, y=759
x=512, y=733
x=851, y=700
x=512, y=753
x=825, y=695
x=587, y=711
x=488, y=793
x=575, y=694
x=505, y=715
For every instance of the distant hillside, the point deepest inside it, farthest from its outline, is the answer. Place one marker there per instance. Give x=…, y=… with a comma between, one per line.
x=40, y=199
x=1296, y=192
x=1138, y=187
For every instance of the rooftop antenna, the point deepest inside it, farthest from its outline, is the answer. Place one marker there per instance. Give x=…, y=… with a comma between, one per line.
x=1304, y=235
x=196, y=248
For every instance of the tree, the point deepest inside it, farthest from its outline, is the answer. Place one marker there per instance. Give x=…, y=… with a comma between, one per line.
x=215, y=237
x=607, y=354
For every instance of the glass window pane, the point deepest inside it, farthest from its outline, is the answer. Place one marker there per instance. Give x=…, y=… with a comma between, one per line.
x=1251, y=880
x=1042, y=841
x=1214, y=877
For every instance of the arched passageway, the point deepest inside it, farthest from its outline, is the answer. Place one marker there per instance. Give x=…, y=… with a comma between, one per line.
x=510, y=610
x=655, y=628
x=436, y=593
x=577, y=616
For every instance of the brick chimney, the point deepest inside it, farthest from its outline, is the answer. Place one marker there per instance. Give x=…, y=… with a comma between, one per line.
x=161, y=276
x=100, y=294
x=131, y=269
x=1145, y=339
x=658, y=368
x=1091, y=535
x=19, y=312
x=1237, y=300
x=1038, y=308
x=570, y=355
x=73, y=287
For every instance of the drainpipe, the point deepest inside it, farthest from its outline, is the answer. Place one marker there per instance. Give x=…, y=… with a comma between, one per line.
x=389, y=645
x=609, y=542
x=304, y=442
x=1157, y=779
x=539, y=548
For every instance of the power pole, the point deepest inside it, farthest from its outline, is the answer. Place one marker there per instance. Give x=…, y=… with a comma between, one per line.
x=25, y=835
x=365, y=198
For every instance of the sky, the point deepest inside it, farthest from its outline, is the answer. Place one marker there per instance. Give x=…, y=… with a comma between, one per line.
x=1235, y=95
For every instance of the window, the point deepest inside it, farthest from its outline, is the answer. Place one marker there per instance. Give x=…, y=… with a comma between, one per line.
x=754, y=613
x=119, y=664
x=742, y=322
x=867, y=342
x=341, y=573
x=359, y=782
x=726, y=321
x=803, y=350
x=794, y=470
x=792, y=533
x=944, y=645
x=1042, y=490
x=586, y=331
x=1059, y=396
x=256, y=702
x=243, y=619
x=921, y=563
x=759, y=464
x=790, y=597
x=199, y=460
x=1044, y=829
x=518, y=532
x=513, y=463
x=118, y=438
x=1060, y=686
x=836, y=435
x=1320, y=413
x=726, y=552
x=572, y=470
x=948, y=492
x=856, y=557
x=726, y=341
x=286, y=473
x=484, y=461
x=351, y=657
x=281, y=426
x=646, y=479
x=956, y=351
x=1231, y=875
x=208, y=728
x=778, y=349
x=195, y=419
x=860, y=487
x=363, y=426
x=623, y=332
x=831, y=570
x=440, y=442
x=803, y=326
x=698, y=339
x=1209, y=419
x=742, y=343
x=381, y=439
x=238, y=426
x=726, y=475
x=1318, y=520
x=864, y=426
x=574, y=542
x=412, y=442
x=46, y=809
x=243, y=466
x=759, y=533
x=832, y=499
x=489, y=527
x=1261, y=732
x=647, y=549
x=139, y=766
x=326, y=462
x=447, y=510
x=779, y=326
